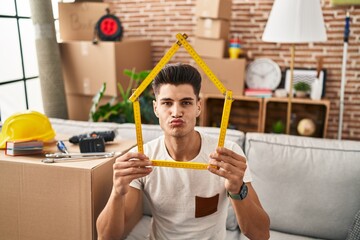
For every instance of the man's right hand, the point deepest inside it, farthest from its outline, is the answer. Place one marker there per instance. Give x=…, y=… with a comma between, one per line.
x=127, y=167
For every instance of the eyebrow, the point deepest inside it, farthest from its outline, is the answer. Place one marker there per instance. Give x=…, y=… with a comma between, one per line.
x=183, y=99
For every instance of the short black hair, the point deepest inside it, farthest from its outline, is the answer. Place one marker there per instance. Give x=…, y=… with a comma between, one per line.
x=177, y=74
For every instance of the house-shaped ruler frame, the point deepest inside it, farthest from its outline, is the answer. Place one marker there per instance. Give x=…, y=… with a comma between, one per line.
x=181, y=41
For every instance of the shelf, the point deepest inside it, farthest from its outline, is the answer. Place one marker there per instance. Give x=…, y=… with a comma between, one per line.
x=252, y=114
x=275, y=109
x=245, y=112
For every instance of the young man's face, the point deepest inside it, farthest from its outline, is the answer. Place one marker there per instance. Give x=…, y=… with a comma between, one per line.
x=177, y=108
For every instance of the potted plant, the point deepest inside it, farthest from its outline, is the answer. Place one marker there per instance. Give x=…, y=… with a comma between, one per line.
x=120, y=109
x=302, y=89
x=278, y=127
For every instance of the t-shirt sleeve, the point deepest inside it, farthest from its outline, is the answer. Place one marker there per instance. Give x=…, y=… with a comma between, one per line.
x=136, y=184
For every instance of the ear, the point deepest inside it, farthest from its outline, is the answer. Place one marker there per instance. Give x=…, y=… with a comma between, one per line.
x=198, y=112
x=155, y=108
x=198, y=108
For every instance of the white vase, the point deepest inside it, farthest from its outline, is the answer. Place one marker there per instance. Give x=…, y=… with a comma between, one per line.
x=316, y=90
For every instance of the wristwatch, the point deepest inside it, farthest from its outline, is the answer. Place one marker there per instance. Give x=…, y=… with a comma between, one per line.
x=241, y=195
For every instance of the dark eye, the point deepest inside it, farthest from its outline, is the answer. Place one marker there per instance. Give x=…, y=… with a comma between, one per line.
x=166, y=103
x=186, y=103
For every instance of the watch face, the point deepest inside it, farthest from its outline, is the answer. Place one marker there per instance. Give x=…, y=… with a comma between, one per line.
x=243, y=192
x=263, y=73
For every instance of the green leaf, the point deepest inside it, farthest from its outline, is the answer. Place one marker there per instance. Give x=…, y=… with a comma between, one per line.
x=120, y=109
x=121, y=90
x=95, y=102
x=302, y=86
x=143, y=74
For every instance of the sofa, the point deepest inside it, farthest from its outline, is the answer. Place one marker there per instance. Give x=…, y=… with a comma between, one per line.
x=310, y=187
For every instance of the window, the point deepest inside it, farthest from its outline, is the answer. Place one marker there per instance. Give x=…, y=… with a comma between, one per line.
x=19, y=76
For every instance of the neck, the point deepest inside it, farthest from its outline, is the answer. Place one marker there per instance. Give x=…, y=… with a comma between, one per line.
x=183, y=148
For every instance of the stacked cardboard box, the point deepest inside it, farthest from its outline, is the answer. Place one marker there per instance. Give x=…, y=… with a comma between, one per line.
x=86, y=66
x=211, y=43
x=212, y=27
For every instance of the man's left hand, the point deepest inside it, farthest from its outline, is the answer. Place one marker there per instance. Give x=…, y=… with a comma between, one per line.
x=230, y=165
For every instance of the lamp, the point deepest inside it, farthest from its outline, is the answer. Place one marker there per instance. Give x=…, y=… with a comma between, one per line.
x=294, y=21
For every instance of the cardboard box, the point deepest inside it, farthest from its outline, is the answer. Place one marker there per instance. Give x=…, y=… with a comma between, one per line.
x=212, y=28
x=214, y=9
x=86, y=66
x=79, y=106
x=53, y=201
x=77, y=20
x=211, y=48
x=229, y=71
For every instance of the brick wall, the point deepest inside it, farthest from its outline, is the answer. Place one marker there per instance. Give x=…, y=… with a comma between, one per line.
x=161, y=20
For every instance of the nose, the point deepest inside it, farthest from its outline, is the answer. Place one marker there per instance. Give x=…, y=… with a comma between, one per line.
x=177, y=111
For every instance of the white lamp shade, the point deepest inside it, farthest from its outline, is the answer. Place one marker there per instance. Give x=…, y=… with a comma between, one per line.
x=295, y=21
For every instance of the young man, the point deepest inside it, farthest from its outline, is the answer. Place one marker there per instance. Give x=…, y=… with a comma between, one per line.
x=185, y=203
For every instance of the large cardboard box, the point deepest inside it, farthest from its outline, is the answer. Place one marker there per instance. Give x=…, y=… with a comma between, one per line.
x=212, y=28
x=77, y=20
x=212, y=48
x=86, y=66
x=229, y=71
x=214, y=9
x=79, y=106
x=59, y=201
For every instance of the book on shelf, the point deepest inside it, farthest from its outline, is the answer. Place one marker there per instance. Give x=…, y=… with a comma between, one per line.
x=254, y=92
x=17, y=148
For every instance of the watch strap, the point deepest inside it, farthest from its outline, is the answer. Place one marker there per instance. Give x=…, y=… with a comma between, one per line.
x=242, y=193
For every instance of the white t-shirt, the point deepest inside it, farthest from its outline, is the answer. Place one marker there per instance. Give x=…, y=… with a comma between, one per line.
x=173, y=194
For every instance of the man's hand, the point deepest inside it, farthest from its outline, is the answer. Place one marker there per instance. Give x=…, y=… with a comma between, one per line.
x=231, y=166
x=127, y=167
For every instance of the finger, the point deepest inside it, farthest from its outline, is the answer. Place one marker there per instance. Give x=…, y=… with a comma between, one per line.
x=132, y=164
x=131, y=155
x=126, y=176
x=227, y=152
x=133, y=171
x=126, y=180
x=228, y=160
x=226, y=155
x=224, y=160
x=236, y=168
x=232, y=177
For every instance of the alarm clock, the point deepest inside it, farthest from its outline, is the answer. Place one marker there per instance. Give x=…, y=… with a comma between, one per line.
x=263, y=73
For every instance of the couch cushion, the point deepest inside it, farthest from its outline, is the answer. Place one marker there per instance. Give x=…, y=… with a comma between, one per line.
x=231, y=134
x=354, y=230
x=124, y=130
x=127, y=130
x=308, y=186
x=274, y=235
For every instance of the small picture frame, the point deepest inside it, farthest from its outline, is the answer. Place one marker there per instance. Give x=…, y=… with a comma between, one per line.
x=305, y=75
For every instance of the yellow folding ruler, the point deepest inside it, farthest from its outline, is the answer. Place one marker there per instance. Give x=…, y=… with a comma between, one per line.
x=181, y=41
x=180, y=164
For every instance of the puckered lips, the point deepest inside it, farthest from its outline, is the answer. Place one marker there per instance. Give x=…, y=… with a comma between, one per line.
x=177, y=122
